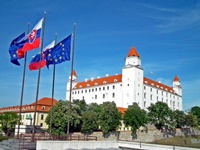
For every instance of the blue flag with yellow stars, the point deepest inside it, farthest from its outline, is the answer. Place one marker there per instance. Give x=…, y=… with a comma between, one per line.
x=59, y=53
x=14, y=49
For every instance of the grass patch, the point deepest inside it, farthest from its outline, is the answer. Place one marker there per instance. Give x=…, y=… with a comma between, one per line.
x=190, y=141
x=2, y=137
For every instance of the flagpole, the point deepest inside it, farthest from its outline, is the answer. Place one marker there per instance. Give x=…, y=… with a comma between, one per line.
x=22, y=90
x=72, y=68
x=38, y=82
x=54, y=70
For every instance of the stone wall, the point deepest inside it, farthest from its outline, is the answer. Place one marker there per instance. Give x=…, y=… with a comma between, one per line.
x=142, y=136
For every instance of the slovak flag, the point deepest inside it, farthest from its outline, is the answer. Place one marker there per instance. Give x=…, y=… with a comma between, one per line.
x=35, y=63
x=32, y=40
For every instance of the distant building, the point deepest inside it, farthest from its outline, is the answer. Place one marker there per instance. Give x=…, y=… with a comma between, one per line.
x=27, y=112
x=127, y=88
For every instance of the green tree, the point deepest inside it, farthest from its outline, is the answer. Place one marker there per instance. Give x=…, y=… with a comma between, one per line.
x=82, y=104
x=60, y=117
x=8, y=121
x=135, y=117
x=191, y=120
x=180, y=117
x=109, y=117
x=83, y=107
x=159, y=114
x=196, y=111
x=89, y=119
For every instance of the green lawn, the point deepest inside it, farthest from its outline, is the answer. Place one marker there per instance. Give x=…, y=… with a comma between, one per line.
x=191, y=141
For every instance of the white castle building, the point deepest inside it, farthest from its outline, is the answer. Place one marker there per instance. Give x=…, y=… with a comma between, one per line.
x=127, y=88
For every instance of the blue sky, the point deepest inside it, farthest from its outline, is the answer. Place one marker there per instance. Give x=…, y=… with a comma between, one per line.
x=165, y=33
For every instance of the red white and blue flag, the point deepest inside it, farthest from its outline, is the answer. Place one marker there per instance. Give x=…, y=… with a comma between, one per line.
x=35, y=63
x=32, y=40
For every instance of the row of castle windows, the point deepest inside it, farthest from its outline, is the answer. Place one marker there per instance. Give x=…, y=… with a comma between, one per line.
x=94, y=89
x=151, y=96
x=103, y=96
x=162, y=92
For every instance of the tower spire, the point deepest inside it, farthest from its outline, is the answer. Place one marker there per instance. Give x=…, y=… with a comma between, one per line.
x=133, y=52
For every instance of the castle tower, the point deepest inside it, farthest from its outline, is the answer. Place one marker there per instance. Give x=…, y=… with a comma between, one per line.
x=177, y=86
x=132, y=80
x=74, y=82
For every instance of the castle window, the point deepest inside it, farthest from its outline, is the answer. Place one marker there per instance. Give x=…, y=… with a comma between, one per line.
x=95, y=89
x=157, y=98
x=144, y=87
x=107, y=87
x=145, y=95
x=162, y=92
x=89, y=90
x=103, y=88
x=115, y=80
x=43, y=107
x=151, y=89
x=103, y=95
x=151, y=97
x=95, y=96
x=113, y=95
x=85, y=91
x=99, y=89
x=78, y=92
x=75, y=92
x=41, y=124
x=127, y=84
x=113, y=87
x=92, y=90
x=104, y=82
x=144, y=103
x=157, y=91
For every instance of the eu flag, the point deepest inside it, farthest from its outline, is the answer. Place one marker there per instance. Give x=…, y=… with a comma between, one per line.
x=59, y=53
x=14, y=49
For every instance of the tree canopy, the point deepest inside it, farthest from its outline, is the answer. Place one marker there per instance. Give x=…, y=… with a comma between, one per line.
x=109, y=117
x=8, y=121
x=60, y=117
x=159, y=114
x=135, y=117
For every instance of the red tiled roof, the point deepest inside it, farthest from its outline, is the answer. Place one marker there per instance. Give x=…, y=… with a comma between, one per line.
x=74, y=73
x=45, y=101
x=158, y=85
x=118, y=78
x=43, y=105
x=133, y=52
x=99, y=81
x=121, y=109
x=176, y=79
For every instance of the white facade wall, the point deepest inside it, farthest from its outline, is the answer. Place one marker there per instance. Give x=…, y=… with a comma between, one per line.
x=154, y=94
x=99, y=94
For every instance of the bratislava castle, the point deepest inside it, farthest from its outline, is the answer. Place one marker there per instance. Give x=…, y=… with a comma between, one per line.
x=127, y=88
